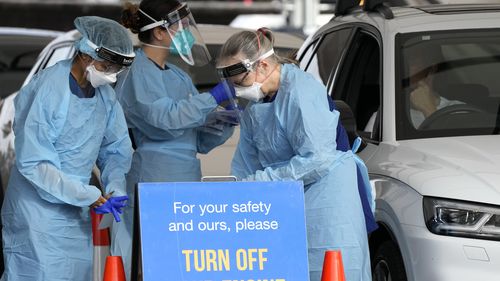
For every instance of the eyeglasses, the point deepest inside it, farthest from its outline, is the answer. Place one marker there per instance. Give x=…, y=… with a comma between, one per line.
x=108, y=67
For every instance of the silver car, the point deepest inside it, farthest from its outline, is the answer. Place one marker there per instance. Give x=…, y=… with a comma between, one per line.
x=19, y=49
x=437, y=179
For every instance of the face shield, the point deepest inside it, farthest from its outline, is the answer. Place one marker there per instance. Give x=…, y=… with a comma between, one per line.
x=186, y=40
x=107, y=64
x=115, y=61
x=245, y=66
x=227, y=113
x=235, y=74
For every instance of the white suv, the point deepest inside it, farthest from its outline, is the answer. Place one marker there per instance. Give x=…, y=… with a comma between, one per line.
x=437, y=182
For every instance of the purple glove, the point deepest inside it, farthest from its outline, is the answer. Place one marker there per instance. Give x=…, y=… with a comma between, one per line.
x=119, y=202
x=113, y=205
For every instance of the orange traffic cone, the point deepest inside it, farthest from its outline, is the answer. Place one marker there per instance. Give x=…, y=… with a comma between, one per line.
x=100, y=239
x=114, y=269
x=333, y=269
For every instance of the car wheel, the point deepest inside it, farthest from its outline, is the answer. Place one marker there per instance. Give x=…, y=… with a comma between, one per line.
x=387, y=264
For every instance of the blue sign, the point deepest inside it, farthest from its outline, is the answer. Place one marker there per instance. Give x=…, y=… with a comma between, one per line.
x=223, y=231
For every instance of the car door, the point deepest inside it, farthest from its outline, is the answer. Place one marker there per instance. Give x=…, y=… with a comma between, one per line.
x=358, y=82
x=347, y=60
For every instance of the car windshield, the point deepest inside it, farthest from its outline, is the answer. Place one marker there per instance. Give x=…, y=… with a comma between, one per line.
x=448, y=83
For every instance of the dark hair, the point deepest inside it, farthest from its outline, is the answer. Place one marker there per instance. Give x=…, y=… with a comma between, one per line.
x=252, y=45
x=134, y=20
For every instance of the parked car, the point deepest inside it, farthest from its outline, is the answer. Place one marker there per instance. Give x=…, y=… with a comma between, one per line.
x=437, y=184
x=19, y=49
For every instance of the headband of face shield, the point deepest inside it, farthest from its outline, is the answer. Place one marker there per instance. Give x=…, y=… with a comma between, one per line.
x=119, y=60
x=241, y=67
x=186, y=40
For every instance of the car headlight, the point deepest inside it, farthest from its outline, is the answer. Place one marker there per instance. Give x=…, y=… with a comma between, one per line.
x=460, y=218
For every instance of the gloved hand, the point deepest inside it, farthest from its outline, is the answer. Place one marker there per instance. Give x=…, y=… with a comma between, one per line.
x=230, y=117
x=220, y=92
x=119, y=202
x=113, y=205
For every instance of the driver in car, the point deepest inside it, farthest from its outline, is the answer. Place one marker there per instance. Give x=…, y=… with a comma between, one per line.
x=424, y=100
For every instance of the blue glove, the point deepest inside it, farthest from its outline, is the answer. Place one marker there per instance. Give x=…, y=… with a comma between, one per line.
x=220, y=92
x=113, y=205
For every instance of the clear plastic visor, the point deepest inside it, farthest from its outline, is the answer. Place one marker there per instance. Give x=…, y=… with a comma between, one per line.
x=186, y=40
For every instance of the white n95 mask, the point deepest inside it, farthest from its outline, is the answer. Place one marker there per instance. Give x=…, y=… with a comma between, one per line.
x=98, y=78
x=252, y=93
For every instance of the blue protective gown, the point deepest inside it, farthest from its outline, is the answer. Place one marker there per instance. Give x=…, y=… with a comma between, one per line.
x=59, y=137
x=293, y=138
x=364, y=187
x=163, y=109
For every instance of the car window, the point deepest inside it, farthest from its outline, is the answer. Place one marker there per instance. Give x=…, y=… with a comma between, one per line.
x=359, y=83
x=18, y=53
x=447, y=83
x=324, y=56
x=59, y=53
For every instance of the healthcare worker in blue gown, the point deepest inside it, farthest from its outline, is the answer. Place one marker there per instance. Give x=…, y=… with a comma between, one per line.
x=288, y=133
x=66, y=120
x=163, y=109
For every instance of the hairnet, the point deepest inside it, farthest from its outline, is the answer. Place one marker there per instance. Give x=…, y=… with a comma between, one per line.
x=102, y=32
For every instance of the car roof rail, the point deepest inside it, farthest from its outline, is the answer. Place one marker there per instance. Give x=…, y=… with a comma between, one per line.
x=378, y=6
x=343, y=7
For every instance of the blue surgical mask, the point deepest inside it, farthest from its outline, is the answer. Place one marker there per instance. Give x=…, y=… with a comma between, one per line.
x=182, y=43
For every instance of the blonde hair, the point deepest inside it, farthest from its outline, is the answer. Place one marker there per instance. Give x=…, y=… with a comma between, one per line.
x=252, y=45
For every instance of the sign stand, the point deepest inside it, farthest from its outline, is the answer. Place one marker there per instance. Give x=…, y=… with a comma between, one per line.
x=136, y=240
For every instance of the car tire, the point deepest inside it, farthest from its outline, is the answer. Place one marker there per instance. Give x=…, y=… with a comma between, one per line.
x=387, y=264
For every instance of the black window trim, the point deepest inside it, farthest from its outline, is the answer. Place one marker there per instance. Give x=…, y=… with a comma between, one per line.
x=341, y=67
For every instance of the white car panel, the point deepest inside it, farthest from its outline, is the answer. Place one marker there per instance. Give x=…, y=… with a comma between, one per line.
x=465, y=168
x=445, y=258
